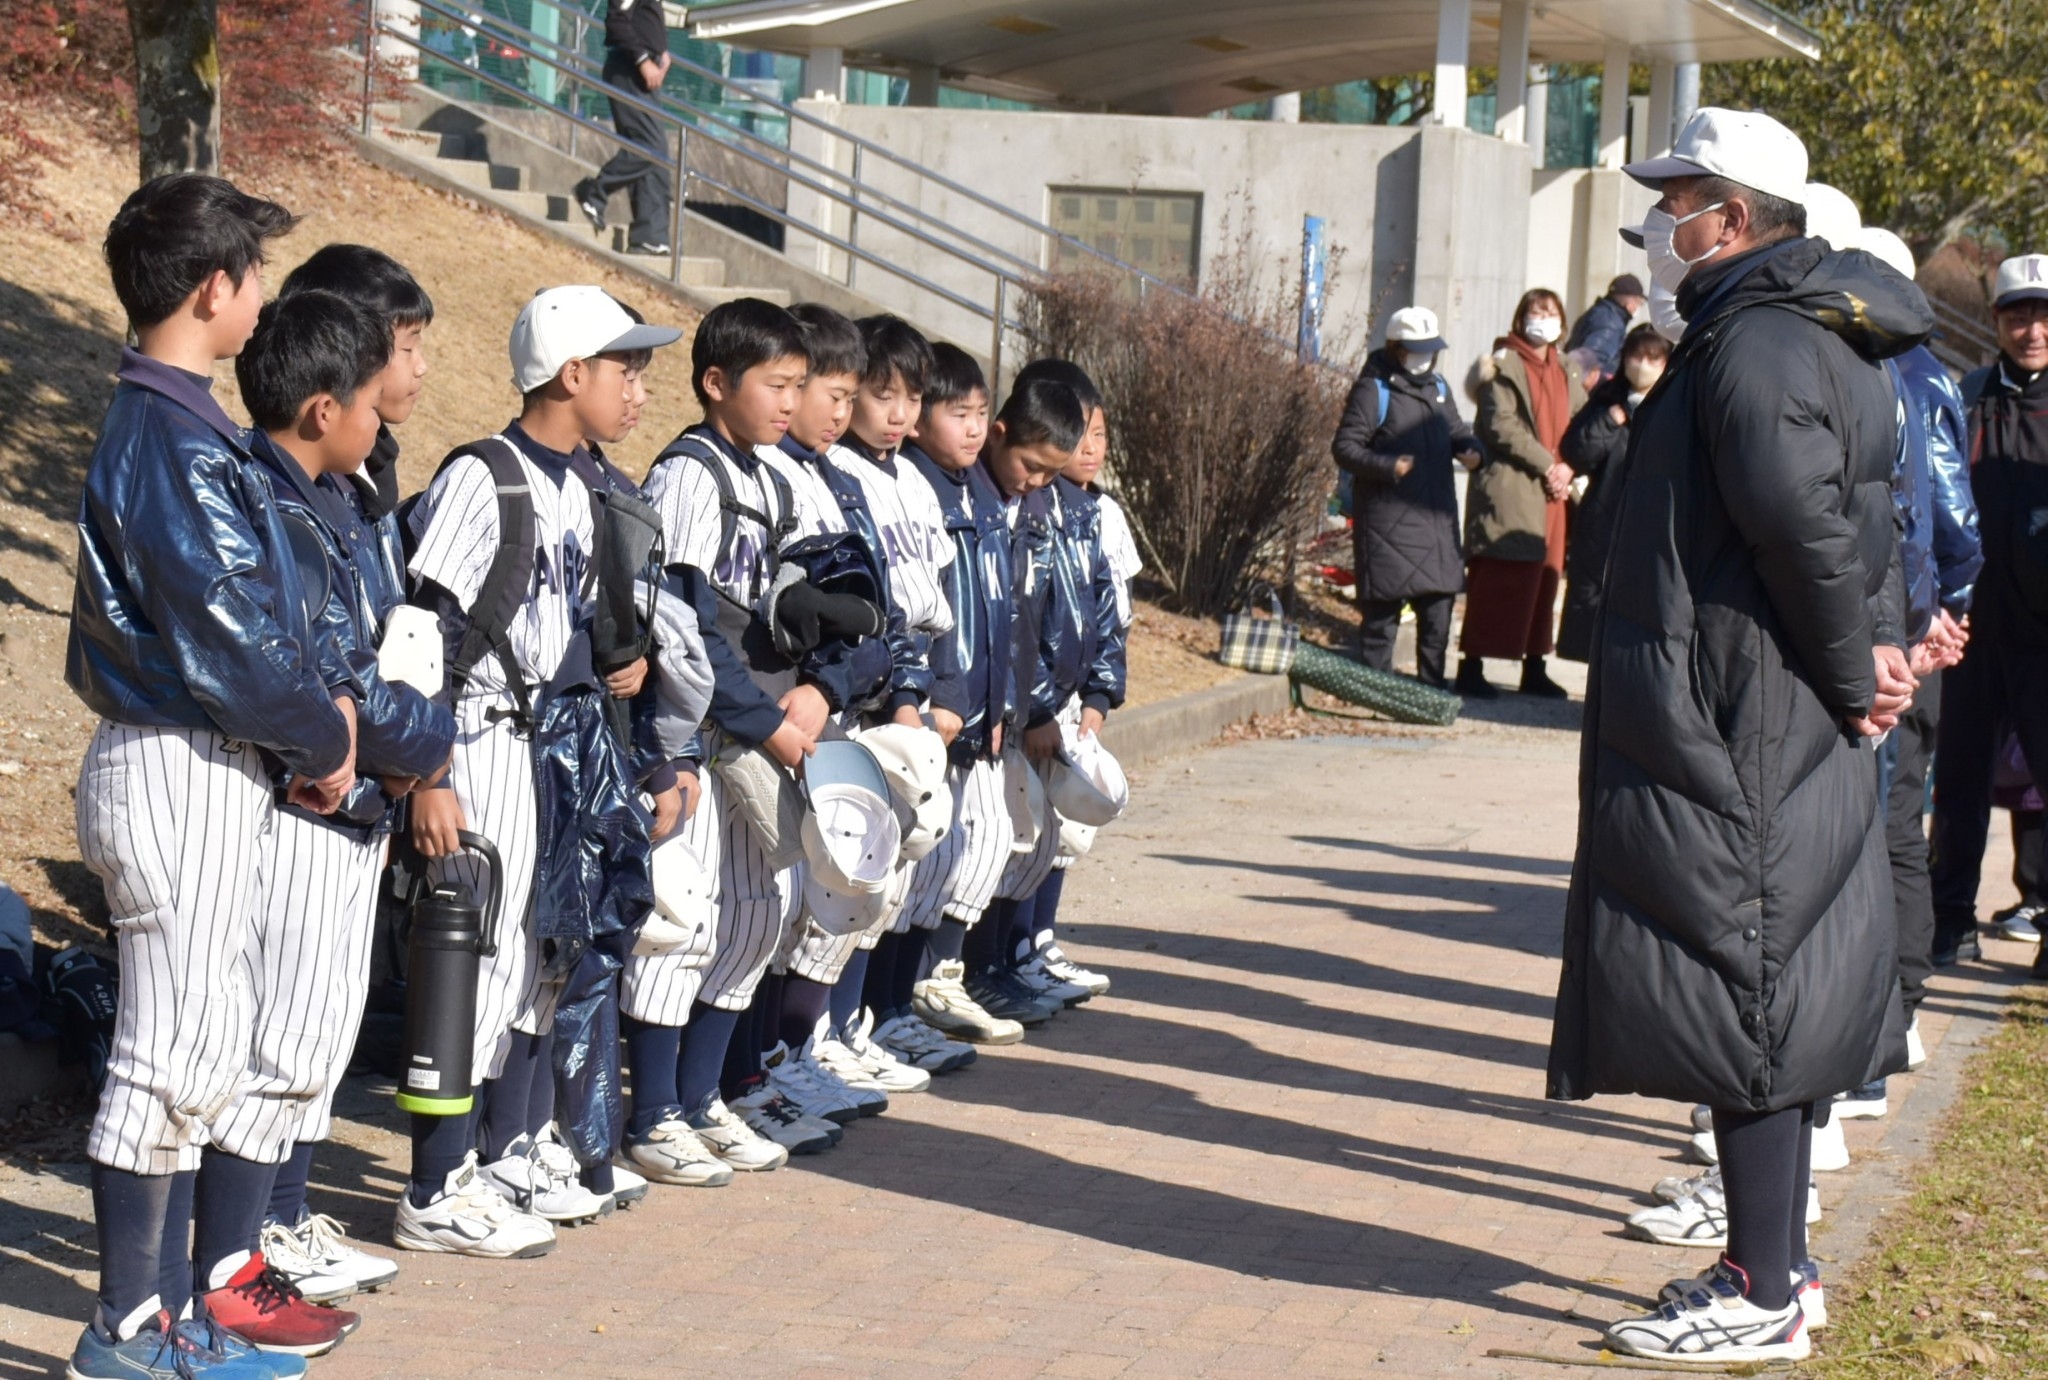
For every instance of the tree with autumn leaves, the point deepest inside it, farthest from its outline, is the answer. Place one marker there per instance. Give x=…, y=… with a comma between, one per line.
x=1933, y=117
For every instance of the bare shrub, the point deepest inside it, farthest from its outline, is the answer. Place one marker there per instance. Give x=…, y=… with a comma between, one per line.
x=1219, y=438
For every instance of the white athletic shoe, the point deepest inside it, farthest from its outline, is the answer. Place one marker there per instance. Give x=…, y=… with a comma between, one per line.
x=1698, y=1219
x=735, y=1142
x=1685, y=1185
x=807, y=1088
x=1916, y=1048
x=1806, y=1292
x=893, y=1075
x=776, y=1117
x=1035, y=975
x=672, y=1154
x=285, y=1252
x=917, y=1044
x=1066, y=970
x=1702, y=1118
x=471, y=1217
x=1713, y=1325
x=941, y=1001
x=834, y=1062
x=540, y=1176
x=1703, y=1149
x=628, y=1188
x=326, y=1242
x=1830, y=1147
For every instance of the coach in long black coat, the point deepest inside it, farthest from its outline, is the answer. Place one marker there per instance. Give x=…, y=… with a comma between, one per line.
x=1729, y=932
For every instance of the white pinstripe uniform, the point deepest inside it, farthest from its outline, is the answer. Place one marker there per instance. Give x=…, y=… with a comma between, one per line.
x=753, y=900
x=1120, y=554
x=493, y=773
x=173, y=821
x=659, y=988
x=309, y=963
x=958, y=879
x=913, y=532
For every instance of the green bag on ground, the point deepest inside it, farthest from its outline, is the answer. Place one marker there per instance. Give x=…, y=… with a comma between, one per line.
x=1394, y=696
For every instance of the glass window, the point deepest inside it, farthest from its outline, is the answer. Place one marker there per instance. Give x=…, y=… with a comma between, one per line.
x=1110, y=222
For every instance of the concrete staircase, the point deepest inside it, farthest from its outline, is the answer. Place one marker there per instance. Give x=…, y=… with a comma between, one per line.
x=479, y=153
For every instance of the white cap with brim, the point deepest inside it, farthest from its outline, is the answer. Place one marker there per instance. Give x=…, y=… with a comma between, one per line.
x=565, y=323
x=685, y=915
x=842, y=912
x=1415, y=329
x=1024, y=793
x=1085, y=782
x=1883, y=245
x=914, y=760
x=850, y=833
x=1832, y=216
x=1744, y=146
x=2022, y=278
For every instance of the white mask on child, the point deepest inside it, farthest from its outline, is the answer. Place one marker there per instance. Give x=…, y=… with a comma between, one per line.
x=1643, y=373
x=1418, y=365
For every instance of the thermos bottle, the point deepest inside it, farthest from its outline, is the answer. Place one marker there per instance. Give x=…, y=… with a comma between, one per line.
x=450, y=936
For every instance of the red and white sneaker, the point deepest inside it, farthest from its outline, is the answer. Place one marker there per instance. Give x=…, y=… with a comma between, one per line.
x=255, y=1305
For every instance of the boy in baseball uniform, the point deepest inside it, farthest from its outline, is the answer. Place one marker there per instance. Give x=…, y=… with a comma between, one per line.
x=189, y=639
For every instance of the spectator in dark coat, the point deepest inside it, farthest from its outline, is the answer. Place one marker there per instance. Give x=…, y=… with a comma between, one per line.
x=1598, y=336
x=636, y=61
x=1399, y=439
x=1596, y=447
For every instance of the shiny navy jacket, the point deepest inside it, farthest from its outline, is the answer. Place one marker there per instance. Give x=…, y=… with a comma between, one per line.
x=1035, y=695
x=188, y=611
x=971, y=664
x=1958, y=550
x=399, y=731
x=1085, y=640
x=910, y=671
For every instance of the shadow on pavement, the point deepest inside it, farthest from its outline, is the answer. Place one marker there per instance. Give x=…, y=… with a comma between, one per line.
x=1499, y=862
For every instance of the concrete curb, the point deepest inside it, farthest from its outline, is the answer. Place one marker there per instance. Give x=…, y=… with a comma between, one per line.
x=29, y=1071
x=1187, y=722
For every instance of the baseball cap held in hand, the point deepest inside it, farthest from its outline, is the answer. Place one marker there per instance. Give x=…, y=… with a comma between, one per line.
x=1744, y=146
x=565, y=323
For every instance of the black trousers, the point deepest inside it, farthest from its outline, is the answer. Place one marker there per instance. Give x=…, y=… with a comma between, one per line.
x=1910, y=748
x=1379, y=623
x=1994, y=686
x=2026, y=856
x=646, y=179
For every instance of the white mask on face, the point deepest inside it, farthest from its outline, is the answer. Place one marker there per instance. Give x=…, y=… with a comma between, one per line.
x=1667, y=267
x=1643, y=373
x=1664, y=313
x=1542, y=330
x=1418, y=365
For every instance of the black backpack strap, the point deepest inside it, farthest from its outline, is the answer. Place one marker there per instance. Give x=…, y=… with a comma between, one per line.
x=505, y=584
x=781, y=526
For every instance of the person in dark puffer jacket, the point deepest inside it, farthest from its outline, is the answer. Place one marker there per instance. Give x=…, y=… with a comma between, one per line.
x=1400, y=436
x=1728, y=933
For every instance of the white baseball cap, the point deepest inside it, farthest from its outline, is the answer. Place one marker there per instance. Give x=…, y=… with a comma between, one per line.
x=1883, y=245
x=842, y=912
x=2022, y=278
x=565, y=323
x=850, y=834
x=1024, y=793
x=1085, y=782
x=685, y=914
x=1745, y=146
x=1415, y=328
x=1832, y=216
x=914, y=760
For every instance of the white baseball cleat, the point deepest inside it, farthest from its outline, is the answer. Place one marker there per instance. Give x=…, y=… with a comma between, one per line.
x=471, y=1217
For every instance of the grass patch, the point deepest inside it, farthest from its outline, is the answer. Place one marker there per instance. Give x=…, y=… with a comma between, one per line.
x=1956, y=1281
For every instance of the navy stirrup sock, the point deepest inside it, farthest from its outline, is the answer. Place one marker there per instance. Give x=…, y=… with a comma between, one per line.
x=228, y=1202
x=705, y=1041
x=133, y=1216
x=439, y=1146
x=804, y=1004
x=288, y=1189
x=849, y=994
x=652, y=1053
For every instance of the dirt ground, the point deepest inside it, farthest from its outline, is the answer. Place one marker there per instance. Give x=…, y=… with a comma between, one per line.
x=61, y=332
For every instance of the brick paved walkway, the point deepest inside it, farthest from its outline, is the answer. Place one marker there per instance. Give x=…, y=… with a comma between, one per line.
x=1305, y=1135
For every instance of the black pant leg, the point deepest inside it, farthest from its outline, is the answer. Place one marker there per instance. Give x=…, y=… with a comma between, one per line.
x=1379, y=623
x=1432, y=635
x=1906, y=839
x=1966, y=745
x=2026, y=699
x=1760, y=1173
x=2026, y=855
x=644, y=175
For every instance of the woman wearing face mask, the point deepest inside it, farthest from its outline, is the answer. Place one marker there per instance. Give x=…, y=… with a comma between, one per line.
x=1515, y=509
x=1596, y=447
x=1399, y=441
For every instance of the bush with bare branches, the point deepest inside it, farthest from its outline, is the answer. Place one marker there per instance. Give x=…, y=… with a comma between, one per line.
x=1219, y=437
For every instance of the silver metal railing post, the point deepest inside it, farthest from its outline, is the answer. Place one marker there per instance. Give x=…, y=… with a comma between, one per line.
x=675, y=205
x=853, y=215
x=369, y=59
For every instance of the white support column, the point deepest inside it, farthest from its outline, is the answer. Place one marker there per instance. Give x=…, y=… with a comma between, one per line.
x=1285, y=109
x=1453, y=49
x=1511, y=117
x=1663, y=84
x=1614, y=107
x=402, y=60
x=825, y=74
x=1536, y=119
x=1685, y=96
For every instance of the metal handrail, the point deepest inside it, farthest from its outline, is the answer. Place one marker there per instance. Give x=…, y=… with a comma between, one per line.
x=865, y=145
x=699, y=115
x=996, y=315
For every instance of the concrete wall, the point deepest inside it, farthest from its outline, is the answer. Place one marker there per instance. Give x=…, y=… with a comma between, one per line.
x=1471, y=237
x=1257, y=181
x=1573, y=247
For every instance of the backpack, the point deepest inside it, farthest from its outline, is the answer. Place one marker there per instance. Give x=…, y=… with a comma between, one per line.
x=779, y=528
x=1346, y=498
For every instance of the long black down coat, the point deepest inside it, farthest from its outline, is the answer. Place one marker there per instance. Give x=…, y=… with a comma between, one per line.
x=1596, y=447
x=1405, y=533
x=1729, y=935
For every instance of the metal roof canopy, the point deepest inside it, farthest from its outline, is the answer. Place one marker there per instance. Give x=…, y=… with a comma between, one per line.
x=1191, y=57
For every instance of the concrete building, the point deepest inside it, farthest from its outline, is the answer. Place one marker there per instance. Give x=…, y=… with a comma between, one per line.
x=1458, y=220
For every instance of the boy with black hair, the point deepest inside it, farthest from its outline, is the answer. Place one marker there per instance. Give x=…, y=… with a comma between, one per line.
x=298, y=1243
x=535, y=701
x=726, y=516
x=971, y=697
x=1033, y=438
x=189, y=639
x=309, y=378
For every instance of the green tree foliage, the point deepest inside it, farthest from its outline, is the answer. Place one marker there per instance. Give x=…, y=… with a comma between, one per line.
x=1931, y=114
